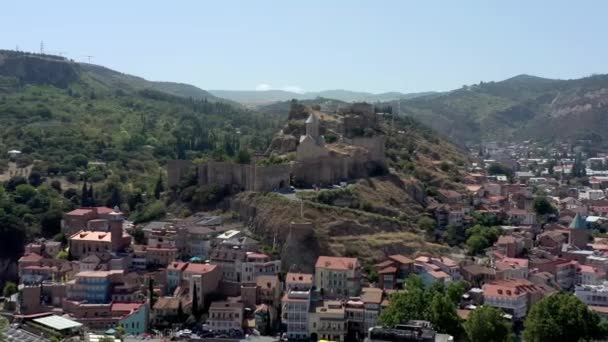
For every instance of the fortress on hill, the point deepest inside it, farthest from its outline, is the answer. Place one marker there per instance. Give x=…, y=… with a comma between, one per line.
x=357, y=152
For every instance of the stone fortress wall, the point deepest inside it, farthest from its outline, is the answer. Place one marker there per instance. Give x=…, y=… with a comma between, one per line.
x=315, y=164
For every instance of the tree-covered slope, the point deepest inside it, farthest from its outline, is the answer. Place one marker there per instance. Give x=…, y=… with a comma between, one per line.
x=74, y=126
x=521, y=107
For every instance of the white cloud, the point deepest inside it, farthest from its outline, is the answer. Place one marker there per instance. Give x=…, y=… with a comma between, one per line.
x=294, y=89
x=262, y=87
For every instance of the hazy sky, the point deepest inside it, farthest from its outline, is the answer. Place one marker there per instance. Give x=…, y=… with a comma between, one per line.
x=314, y=45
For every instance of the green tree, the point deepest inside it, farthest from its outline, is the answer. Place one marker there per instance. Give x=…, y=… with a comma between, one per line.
x=24, y=192
x=84, y=195
x=428, y=225
x=560, y=317
x=243, y=157
x=195, y=309
x=151, y=294
x=15, y=181
x=158, y=188
x=486, y=324
x=404, y=306
x=442, y=314
x=10, y=289
x=35, y=178
x=63, y=255
x=115, y=198
x=138, y=236
x=477, y=244
x=499, y=169
x=456, y=289
x=435, y=304
x=543, y=207
x=180, y=312
x=452, y=235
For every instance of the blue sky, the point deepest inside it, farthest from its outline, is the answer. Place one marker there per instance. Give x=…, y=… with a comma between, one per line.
x=319, y=44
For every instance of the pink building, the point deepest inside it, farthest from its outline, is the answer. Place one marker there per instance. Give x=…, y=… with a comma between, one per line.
x=78, y=219
x=86, y=242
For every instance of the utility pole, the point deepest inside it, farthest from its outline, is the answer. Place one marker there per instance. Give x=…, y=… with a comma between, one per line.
x=89, y=58
x=42, y=47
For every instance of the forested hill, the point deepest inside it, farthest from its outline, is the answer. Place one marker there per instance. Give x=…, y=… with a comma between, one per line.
x=521, y=107
x=75, y=122
x=53, y=108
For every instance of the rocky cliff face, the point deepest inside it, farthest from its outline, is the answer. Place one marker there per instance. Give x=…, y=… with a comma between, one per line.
x=38, y=69
x=330, y=230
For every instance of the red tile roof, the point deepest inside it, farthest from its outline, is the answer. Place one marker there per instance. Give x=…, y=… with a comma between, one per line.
x=80, y=212
x=336, y=263
x=514, y=288
x=200, y=268
x=30, y=257
x=298, y=278
x=126, y=307
x=178, y=265
x=401, y=259
x=388, y=270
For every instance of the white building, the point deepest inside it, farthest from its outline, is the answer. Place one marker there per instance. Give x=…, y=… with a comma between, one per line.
x=295, y=305
x=592, y=294
x=590, y=194
x=258, y=264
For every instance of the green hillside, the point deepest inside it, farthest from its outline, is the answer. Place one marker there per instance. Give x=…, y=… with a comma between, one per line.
x=521, y=107
x=75, y=123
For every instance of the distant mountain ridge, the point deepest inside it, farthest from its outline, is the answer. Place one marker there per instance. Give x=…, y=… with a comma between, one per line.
x=264, y=97
x=521, y=107
x=114, y=78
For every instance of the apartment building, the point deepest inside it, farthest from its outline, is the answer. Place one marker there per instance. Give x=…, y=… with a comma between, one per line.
x=338, y=276
x=295, y=307
x=328, y=321
x=514, y=296
x=225, y=316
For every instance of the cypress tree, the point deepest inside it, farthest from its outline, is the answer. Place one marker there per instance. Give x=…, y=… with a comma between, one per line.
x=195, y=311
x=91, y=195
x=151, y=291
x=158, y=189
x=84, y=195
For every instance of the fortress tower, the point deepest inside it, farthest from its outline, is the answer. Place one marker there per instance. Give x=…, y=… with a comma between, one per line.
x=312, y=145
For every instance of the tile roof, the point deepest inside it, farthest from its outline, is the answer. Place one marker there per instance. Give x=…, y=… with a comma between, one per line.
x=336, y=263
x=401, y=259
x=514, y=288
x=88, y=235
x=177, y=265
x=267, y=281
x=385, y=263
x=388, y=270
x=511, y=263
x=164, y=303
x=80, y=212
x=299, y=278
x=30, y=257
x=200, y=268
x=371, y=295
